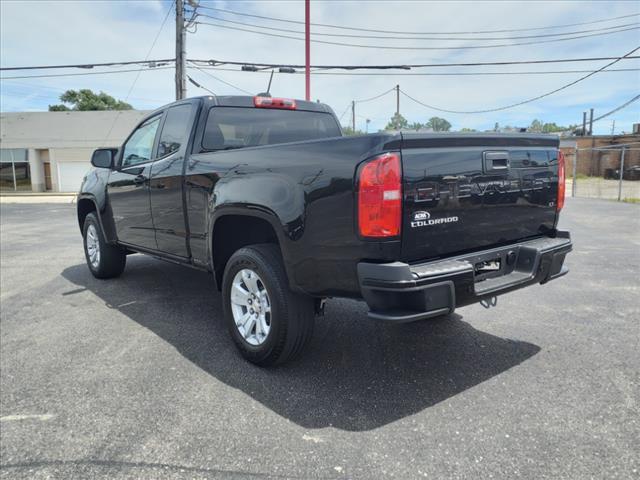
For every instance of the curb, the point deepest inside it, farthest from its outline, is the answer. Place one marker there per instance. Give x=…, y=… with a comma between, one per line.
x=38, y=198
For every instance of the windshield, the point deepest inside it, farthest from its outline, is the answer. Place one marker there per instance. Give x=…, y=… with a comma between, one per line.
x=238, y=127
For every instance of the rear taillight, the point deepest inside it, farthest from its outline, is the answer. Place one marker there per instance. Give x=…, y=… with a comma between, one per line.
x=268, y=102
x=561, y=181
x=380, y=196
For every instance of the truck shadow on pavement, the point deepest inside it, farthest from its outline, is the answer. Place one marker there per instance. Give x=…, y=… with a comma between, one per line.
x=356, y=375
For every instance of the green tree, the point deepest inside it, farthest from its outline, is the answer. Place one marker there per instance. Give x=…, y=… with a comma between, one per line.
x=58, y=108
x=85, y=99
x=416, y=126
x=438, y=124
x=552, y=127
x=397, y=122
x=536, y=126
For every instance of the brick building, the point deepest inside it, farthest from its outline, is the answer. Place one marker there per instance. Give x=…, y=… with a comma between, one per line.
x=603, y=162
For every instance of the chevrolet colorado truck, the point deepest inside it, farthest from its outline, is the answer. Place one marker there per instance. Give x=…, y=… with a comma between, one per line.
x=267, y=195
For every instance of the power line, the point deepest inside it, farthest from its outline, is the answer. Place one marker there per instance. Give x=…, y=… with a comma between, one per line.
x=427, y=74
x=135, y=80
x=149, y=63
x=390, y=47
x=624, y=105
x=436, y=74
x=386, y=37
x=87, y=73
x=160, y=63
x=199, y=86
x=153, y=44
x=59, y=90
x=376, y=97
x=409, y=66
x=524, y=101
x=220, y=80
x=465, y=74
x=345, y=111
x=343, y=27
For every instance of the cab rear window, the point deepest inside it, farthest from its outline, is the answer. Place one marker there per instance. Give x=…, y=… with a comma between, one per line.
x=239, y=127
x=529, y=158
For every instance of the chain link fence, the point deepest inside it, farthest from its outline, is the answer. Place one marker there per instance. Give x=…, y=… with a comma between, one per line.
x=611, y=173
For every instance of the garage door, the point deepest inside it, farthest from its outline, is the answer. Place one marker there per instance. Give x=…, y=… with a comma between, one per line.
x=70, y=175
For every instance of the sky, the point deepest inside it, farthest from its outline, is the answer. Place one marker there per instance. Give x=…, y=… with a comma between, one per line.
x=34, y=32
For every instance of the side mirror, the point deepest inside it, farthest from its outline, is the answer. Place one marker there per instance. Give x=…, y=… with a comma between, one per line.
x=103, y=157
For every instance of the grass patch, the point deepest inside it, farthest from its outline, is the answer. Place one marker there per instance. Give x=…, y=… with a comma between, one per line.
x=631, y=200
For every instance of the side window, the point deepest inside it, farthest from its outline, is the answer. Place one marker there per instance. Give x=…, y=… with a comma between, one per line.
x=175, y=130
x=139, y=147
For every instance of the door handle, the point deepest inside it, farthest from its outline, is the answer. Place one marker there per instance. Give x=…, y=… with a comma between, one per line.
x=495, y=162
x=140, y=180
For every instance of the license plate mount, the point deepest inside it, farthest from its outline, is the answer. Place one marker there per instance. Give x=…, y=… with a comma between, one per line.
x=486, y=267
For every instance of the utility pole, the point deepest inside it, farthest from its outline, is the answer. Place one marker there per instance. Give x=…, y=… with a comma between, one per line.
x=307, y=50
x=613, y=127
x=584, y=124
x=181, y=53
x=591, y=121
x=397, y=100
x=353, y=115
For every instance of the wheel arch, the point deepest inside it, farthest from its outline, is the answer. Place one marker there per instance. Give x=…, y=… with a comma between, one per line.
x=87, y=204
x=235, y=227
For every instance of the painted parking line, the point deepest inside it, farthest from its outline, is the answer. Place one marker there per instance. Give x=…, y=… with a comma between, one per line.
x=14, y=418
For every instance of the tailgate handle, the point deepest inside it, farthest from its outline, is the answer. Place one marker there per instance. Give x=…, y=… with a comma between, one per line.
x=495, y=162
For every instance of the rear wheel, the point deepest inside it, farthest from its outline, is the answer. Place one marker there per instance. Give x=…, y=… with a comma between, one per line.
x=103, y=259
x=268, y=322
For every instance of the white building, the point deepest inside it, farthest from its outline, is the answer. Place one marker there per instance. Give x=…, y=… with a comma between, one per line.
x=51, y=151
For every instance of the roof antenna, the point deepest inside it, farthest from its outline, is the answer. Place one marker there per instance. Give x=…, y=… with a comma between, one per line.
x=267, y=94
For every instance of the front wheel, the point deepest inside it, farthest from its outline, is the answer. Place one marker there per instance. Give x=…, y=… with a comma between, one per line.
x=268, y=322
x=103, y=259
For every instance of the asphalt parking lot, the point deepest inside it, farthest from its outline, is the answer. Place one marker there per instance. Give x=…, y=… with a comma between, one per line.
x=137, y=378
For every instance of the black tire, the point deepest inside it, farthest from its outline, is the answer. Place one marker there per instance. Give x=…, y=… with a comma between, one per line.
x=292, y=314
x=112, y=259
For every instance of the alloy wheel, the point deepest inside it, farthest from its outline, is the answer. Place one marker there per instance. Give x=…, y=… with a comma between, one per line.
x=251, y=306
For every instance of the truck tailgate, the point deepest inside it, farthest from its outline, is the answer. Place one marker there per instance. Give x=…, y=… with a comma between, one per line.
x=464, y=193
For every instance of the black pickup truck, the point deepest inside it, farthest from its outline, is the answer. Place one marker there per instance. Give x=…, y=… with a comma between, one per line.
x=267, y=195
